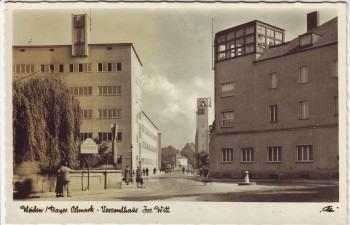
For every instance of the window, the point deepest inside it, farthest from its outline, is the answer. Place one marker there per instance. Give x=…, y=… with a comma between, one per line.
x=23, y=68
x=249, y=30
x=227, y=89
x=227, y=155
x=109, y=90
x=86, y=114
x=109, y=113
x=249, y=39
x=249, y=49
x=119, y=67
x=303, y=110
x=80, y=91
x=247, y=155
x=261, y=30
x=119, y=136
x=304, y=153
x=303, y=74
x=108, y=67
x=105, y=136
x=84, y=136
x=60, y=68
x=270, y=32
x=336, y=106
x=274, y=154
x=273, y=80
x=228, y=119
x=335, y=68
x=273, y=113
x=80, y=67
x=279, y=35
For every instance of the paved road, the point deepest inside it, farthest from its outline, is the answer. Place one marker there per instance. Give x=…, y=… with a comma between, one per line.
x=176, y=186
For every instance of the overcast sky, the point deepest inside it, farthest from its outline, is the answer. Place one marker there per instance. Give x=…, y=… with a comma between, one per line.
x=174, y=46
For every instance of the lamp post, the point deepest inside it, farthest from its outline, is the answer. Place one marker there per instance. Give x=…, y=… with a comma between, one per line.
x=131, y=156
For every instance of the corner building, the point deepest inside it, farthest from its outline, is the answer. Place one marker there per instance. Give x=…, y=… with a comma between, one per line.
x=106, y=79
x=276, y=102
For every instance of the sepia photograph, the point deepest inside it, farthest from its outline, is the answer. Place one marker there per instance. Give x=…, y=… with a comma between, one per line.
x=175, y=110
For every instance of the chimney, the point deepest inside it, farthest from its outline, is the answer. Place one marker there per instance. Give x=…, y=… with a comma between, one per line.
x=312, y=20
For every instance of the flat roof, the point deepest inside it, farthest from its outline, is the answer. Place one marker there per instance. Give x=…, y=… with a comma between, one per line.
x=99, y=44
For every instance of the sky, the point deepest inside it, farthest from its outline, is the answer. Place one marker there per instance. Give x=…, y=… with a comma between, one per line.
x=174, y=45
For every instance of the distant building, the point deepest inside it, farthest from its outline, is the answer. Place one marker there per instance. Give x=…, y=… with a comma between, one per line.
x=202, y=126
x=106, y=79
x=276, y=102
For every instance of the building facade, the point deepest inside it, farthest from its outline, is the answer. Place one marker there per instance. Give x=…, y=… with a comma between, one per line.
x=202, y=126
x=106, y=79
x=276, y=102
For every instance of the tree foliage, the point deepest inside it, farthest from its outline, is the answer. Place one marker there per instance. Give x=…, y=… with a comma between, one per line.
x=202, y=159
x=46, y=122
x=188, y=152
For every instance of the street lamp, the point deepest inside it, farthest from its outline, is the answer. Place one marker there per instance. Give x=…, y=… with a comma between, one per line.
x=131, y=155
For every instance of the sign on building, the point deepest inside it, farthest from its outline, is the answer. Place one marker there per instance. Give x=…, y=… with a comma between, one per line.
x=89, y=147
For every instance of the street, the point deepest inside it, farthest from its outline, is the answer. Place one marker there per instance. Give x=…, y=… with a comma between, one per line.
x=176, y=186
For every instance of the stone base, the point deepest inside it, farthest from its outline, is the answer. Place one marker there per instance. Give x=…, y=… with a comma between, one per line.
x=244, y=183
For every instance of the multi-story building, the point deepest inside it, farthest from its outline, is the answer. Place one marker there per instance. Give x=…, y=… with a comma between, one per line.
x=106, y=79
x=276, y=102
x=202, y=126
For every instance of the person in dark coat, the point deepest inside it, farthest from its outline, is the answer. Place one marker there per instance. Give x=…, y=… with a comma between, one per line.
x=127, y=175
x=183, y=170
x=143, y=171
x=147, y=171
x=59, y=183
x=154, y=171
x=65, y=178
x=139, y=179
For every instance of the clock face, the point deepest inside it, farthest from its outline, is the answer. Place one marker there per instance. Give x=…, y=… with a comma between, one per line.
x=305, y=40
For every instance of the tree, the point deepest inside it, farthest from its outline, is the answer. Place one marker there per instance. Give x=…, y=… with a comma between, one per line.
x=202, y=159
x=46, y=122
x=169, y=155
x=188, y=152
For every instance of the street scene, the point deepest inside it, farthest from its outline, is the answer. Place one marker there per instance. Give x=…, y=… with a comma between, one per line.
x=178, y=186
x=225, y=105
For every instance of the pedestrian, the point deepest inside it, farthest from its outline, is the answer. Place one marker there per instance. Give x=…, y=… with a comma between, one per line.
x=147, y=171
x=143, y=171
x=133, y=173
x=59, y=183
x=65, y=178
x=139, y=179
x=127, y=174
x=154, y=171
x=183, y=170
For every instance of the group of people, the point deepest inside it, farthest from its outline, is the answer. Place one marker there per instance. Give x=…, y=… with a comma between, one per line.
x=63, y=179
x=128, y=175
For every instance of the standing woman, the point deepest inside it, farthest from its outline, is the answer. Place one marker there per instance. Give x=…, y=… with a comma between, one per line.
x=59, y=183
x=127, y=174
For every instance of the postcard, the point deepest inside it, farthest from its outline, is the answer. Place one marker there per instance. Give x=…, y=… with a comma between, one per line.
x=182, y=113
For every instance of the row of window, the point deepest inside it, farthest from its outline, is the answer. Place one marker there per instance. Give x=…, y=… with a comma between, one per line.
x=101, y=113
x=227, y=88
x=149, y=147
x=228, y=118
x=149, y=133
x=304, y=153
x=101, y=90
x=103, y=136
x=72, y=68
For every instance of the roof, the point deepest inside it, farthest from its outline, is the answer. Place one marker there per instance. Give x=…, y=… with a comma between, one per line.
x=328, y=35
x=100, y=44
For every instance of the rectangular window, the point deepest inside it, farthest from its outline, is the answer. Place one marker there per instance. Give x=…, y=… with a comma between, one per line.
x=227, y=89
x=109, y=90
x=227, y=155
x=119, y=67
x=305, y=153
x=109, y=113
x=247, y=155
x=273, y=80
x=80, y=67
x=86, y=114
x=60, y=68
x=303, y=74
x=119, y=136
x=335, y=68
x=261, y=30
x=84, y=136
x=23, y=68
x=109, y=67
x=99, y=67
x=336, y=106
x=80, y=91
x=249, y=30
x=52, y=68
x=228, y=119
x=279, y=35
x=249, y=49
x=274, y=154
x=105, y=67
x=71, y=68
x=273, y=113
x=304, y=110
x=105, y=136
